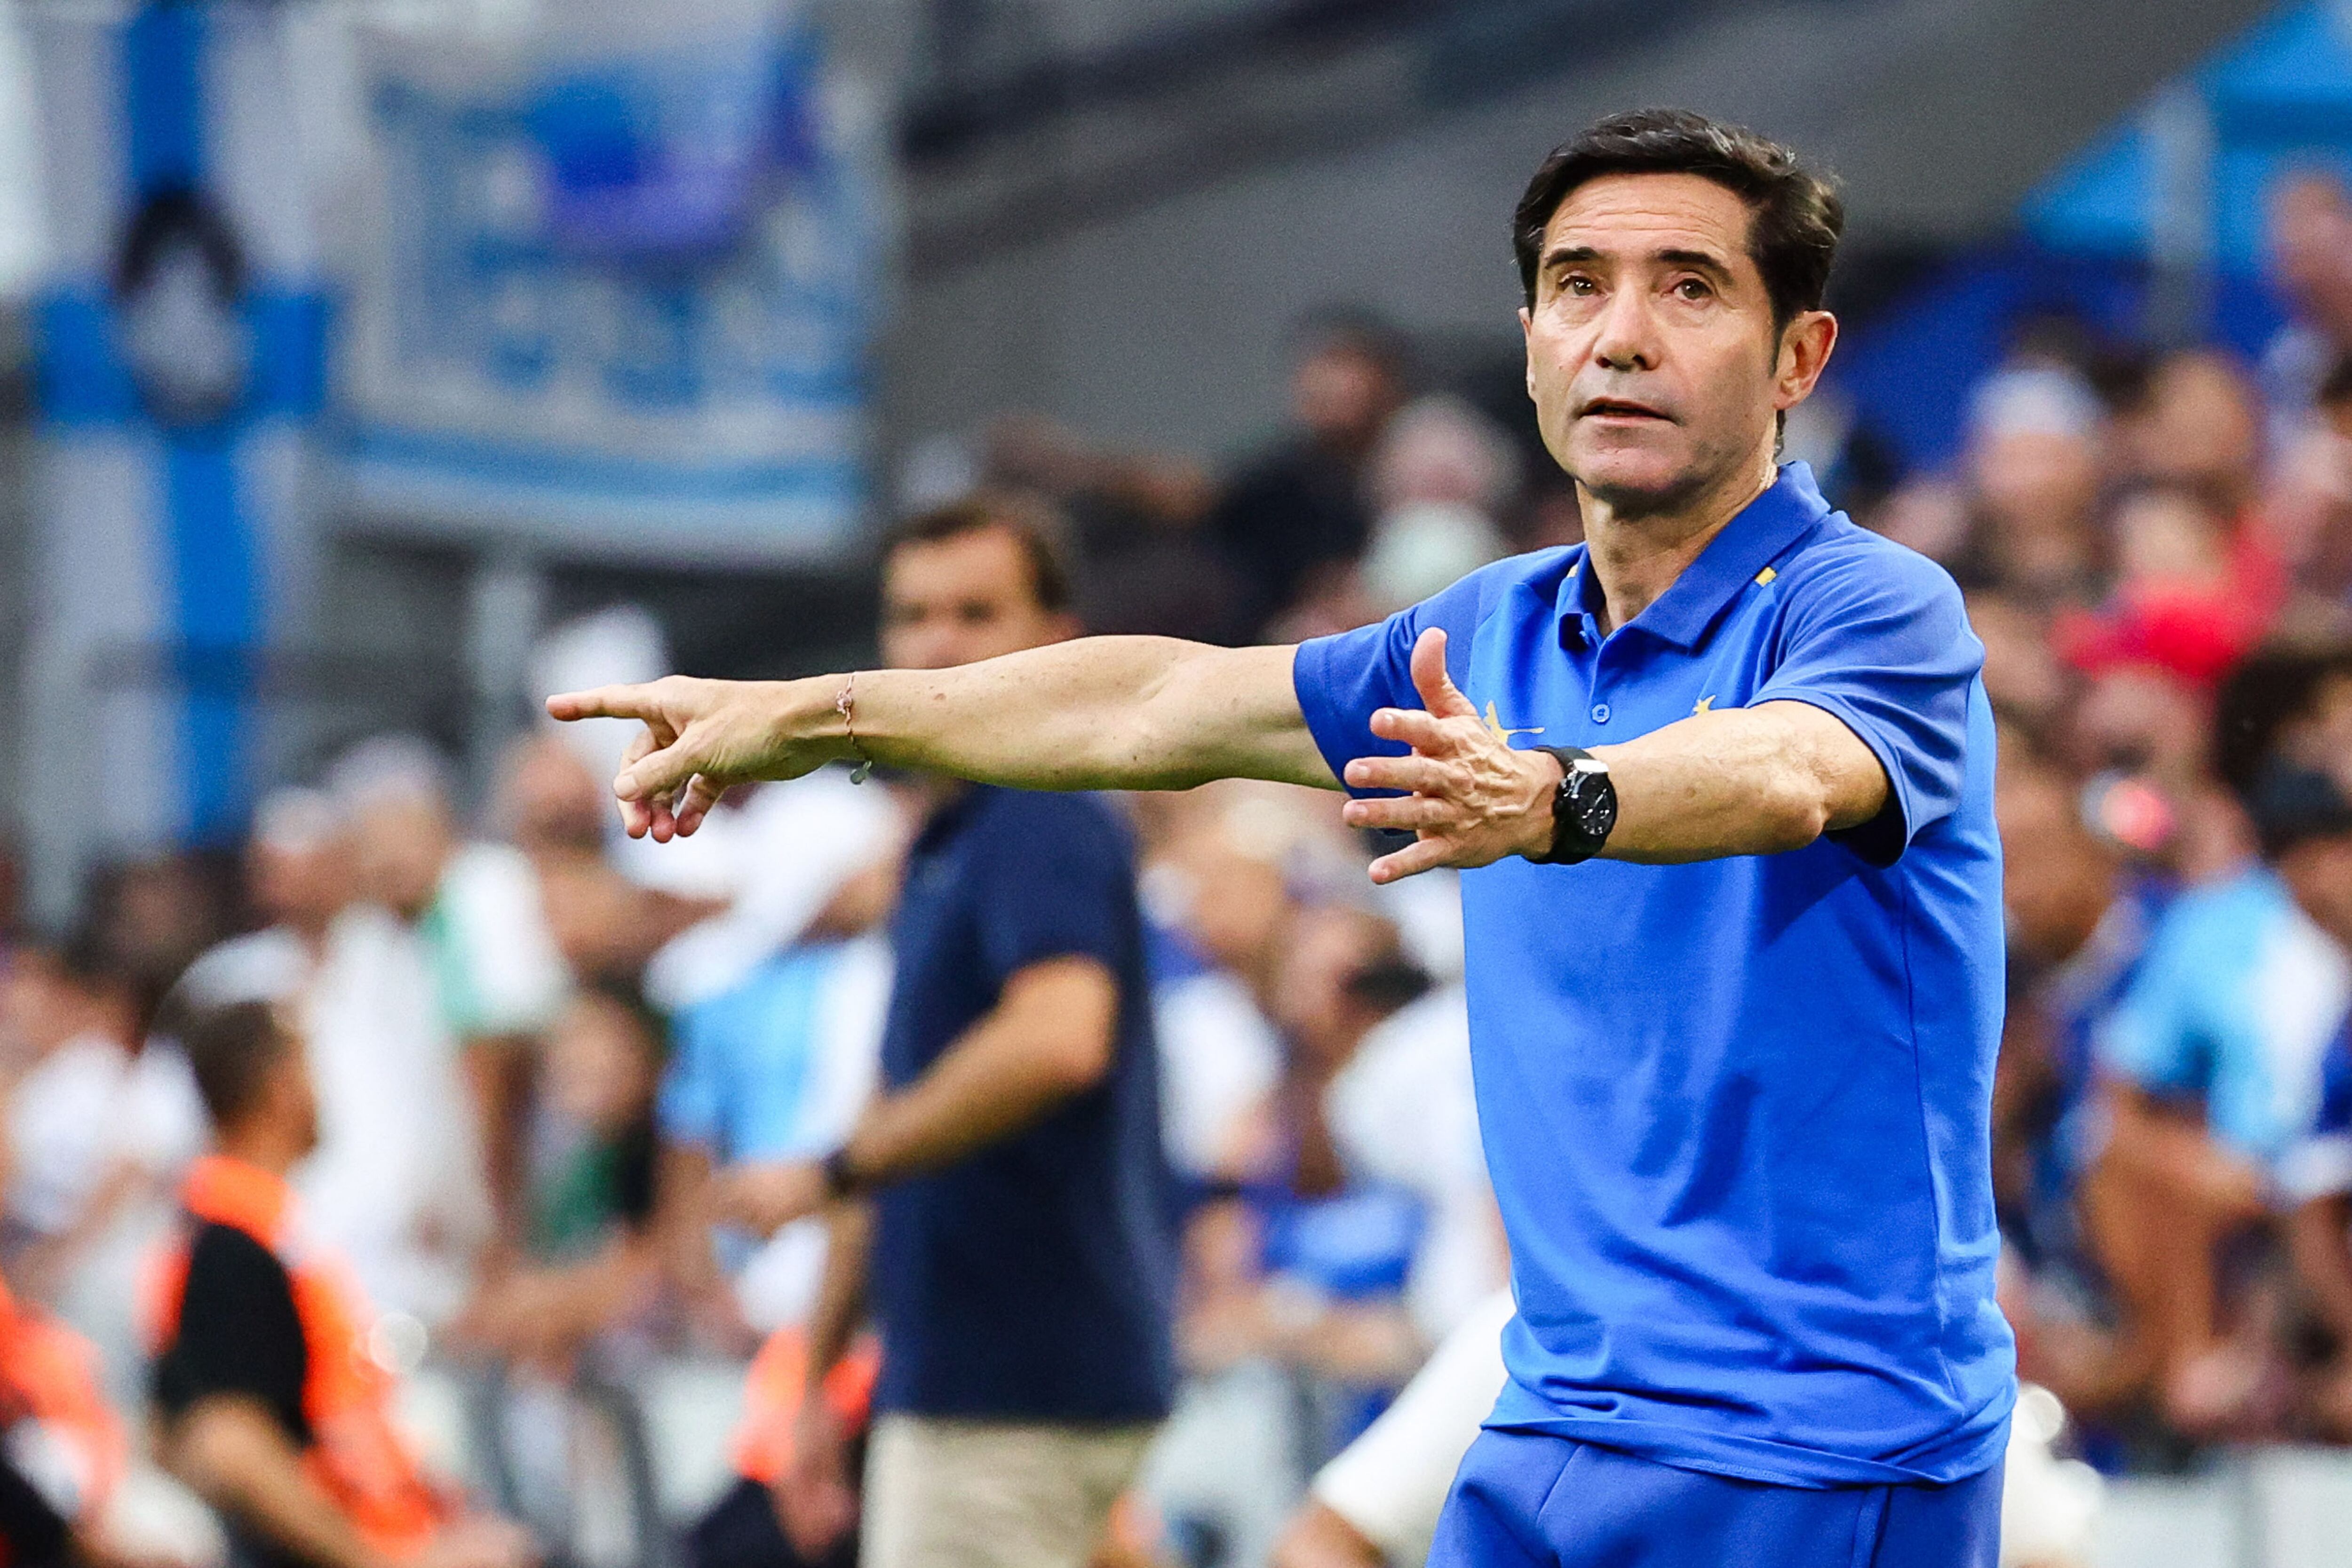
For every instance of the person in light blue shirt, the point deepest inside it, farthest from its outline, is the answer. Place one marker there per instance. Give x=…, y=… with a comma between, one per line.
x=2214, y=1071
x=2233, y=1008
x=1720, y=783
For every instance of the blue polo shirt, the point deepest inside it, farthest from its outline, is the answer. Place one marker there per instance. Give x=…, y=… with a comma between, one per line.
x=1738, y=1113
x=1034, y=1280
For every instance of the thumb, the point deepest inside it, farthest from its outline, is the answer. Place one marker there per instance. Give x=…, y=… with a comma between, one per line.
x=1438, y=692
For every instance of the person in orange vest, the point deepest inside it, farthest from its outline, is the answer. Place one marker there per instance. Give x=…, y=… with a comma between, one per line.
x=759, y=1522
x=62, y=1448
x=275, y=1402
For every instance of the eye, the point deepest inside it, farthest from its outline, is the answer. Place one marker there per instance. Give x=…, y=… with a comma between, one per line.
x=1694, y=289
x=1579, y=285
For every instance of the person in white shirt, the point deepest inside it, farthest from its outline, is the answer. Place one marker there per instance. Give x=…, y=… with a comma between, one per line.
x=98, y=1129
x=499, y=980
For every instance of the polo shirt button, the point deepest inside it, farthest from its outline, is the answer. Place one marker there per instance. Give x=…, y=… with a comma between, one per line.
x=1600, y=713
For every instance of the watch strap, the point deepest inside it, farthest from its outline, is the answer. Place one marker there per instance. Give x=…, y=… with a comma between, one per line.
x=1571, y=844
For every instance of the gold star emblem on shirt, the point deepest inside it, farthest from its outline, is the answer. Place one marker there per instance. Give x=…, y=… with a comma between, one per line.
x=1494, y=727
x=1705, y=704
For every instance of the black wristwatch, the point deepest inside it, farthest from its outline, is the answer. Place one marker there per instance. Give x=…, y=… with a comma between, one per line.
x=1583, y=807
x=840, y=1181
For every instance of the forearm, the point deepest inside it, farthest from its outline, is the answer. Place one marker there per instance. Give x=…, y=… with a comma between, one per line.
x=233, y=1453
x=682, y=1218
x=840, y=1309
x=1746, y=781
x=1098, y=713
x=985, y=1086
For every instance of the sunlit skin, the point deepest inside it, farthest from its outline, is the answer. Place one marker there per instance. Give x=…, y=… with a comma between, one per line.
x=1658, y=373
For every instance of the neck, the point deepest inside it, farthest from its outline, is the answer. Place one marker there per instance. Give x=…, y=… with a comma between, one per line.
x=258, y=1143
x=1636, y=555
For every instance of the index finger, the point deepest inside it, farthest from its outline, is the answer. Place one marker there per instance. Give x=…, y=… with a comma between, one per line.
x=605, y=702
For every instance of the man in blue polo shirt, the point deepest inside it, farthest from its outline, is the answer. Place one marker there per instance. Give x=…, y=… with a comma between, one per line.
x=1721, y=782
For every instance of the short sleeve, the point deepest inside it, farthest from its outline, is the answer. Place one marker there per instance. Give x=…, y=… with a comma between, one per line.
x=1343, y=679
x=1058, y=883
x=1878, y=639
x=238, y=1332
x=2150, y=1038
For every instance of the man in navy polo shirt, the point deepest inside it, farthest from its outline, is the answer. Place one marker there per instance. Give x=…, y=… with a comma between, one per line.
x=1020, y=1257
x=1721, y=782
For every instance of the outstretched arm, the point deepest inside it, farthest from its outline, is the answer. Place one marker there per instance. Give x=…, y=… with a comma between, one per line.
x=1096, y=713
x=1741, y=780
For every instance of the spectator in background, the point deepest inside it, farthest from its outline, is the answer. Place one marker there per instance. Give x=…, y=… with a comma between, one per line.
x=1441, y=476
x=2034, y=459
x=498, y=979
x=94, y=1119
x=777, y=1067
x=605, y=924
x=2311, y=819
x=397, y=1182
x=1295, y=516
x=273, y=1403
x=2193, y=590
x=588, y=1261
x=1220, y=881
x=2309, y=513
x=2196, y=421
x=1020, y=1267
x=63, y=1450
x=2212, y=1065
x=2310, y=238
x=2079, y=921
x=1144, y=562
x=99, y=1128
x=1296, y=1317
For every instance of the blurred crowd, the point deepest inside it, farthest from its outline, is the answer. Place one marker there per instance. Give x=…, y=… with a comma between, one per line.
x=534, y=1044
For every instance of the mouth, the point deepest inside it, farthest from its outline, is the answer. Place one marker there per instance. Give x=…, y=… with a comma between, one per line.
x=1622, y=408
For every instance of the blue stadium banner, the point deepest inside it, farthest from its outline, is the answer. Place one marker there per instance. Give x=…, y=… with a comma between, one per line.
x=180, y=351
x=618, y=288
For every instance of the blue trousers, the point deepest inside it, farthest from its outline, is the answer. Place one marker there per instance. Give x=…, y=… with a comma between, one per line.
x=1532, y=1499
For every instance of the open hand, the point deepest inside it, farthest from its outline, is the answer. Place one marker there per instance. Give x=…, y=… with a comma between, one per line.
x=1472, y=799
x=699, y=737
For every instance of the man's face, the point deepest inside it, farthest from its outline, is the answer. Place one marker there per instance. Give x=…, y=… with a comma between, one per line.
x=300, y=885
x=402, y=845
x=1652, y=355
x=1343, y=394
x=963, y=599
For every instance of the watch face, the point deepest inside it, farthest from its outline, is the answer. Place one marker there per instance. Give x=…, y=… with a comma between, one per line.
x=1592, y=803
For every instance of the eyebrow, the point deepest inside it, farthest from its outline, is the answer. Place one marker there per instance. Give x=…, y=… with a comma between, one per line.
x=1704, y=262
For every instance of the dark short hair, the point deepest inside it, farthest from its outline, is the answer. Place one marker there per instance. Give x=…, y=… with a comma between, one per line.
x=231, y=1051
x=2266, y=696
x=1034, y=525
x=1796, y=214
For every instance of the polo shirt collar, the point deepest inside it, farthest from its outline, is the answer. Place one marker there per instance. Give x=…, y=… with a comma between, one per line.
x=1757, y=535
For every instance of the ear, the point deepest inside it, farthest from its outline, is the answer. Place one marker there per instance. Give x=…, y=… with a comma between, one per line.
x=1805, y=345
x=1528, y=336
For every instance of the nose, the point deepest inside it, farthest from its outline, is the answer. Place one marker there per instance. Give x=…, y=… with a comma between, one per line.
x=1627, y=337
